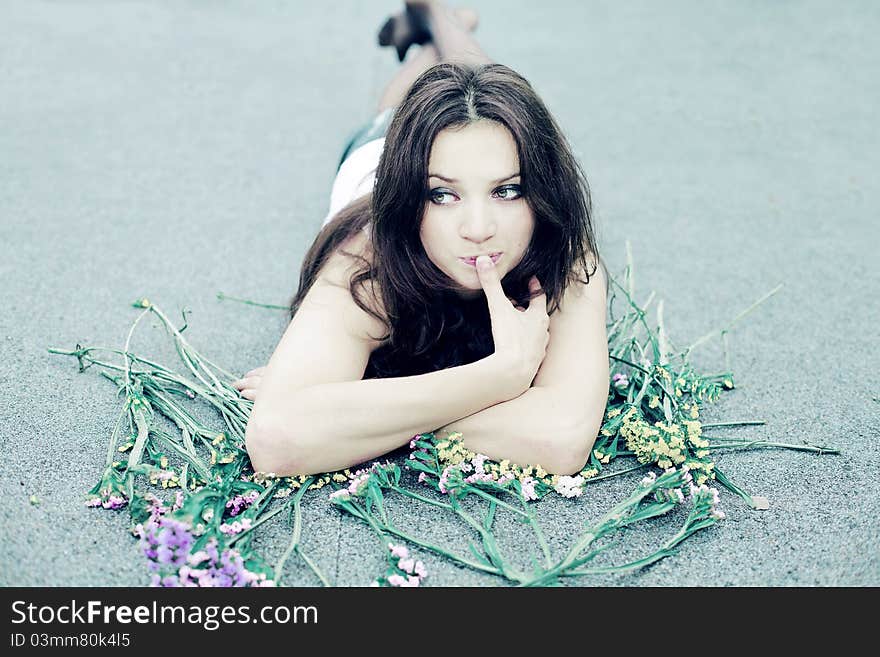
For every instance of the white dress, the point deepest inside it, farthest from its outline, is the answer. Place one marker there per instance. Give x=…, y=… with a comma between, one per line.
x=355, y=177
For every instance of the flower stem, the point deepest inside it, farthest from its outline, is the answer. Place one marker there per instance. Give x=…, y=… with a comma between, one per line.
x=724, y=331
x=731, y=443
x=641, y=466
x=271, y=306
x=296, y=535
x=738, y=423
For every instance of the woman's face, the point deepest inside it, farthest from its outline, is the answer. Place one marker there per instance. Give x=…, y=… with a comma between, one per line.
x=474, y=204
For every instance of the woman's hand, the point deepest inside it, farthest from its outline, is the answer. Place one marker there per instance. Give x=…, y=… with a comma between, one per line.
x=521, y=336
x=248, y=385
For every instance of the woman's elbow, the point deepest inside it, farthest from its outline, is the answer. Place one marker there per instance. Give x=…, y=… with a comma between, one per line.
x=271, y=451
x=570, y=455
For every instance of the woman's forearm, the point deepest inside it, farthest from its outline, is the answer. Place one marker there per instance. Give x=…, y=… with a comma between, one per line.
x=332, y=426
x=531, y=429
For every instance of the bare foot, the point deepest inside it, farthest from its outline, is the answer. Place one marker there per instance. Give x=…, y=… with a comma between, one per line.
x=411, y=26
x=467, y=18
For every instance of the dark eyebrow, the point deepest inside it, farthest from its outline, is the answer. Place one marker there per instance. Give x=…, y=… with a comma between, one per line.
x=453, y=180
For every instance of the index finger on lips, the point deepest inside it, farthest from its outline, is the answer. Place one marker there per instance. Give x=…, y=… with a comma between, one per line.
x=490, y=283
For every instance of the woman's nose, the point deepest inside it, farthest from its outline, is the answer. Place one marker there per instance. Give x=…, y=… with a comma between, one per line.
x=478, y=223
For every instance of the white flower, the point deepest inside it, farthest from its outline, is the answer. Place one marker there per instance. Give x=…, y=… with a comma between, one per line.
x=569, y=486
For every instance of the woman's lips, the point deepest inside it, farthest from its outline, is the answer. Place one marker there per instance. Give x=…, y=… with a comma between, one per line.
x=472, y=262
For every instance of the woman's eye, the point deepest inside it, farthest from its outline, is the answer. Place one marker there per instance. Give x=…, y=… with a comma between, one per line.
x=508, y=193
x=515, y=192
x=436, y=197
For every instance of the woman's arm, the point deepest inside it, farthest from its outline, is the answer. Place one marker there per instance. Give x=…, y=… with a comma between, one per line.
x=555, y=422
x=333, y=426
x=532, y=429
x=315, y=414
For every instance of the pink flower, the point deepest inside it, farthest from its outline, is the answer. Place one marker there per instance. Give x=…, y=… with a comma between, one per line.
x=420, y=569
x=413, y=581
x=397, y=580
x=399, y=551
x=528, y=489
x=406, y=565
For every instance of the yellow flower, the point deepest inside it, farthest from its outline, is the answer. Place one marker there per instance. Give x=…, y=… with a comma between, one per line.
x=664, y=463
x=614, y=412
x=606, y=458
x=540, y=472
x=597, y=454
x=219, y=439
x=339, y=477
x=654, y=402
x=695, y=413
x=605, y=432
x=728, y=383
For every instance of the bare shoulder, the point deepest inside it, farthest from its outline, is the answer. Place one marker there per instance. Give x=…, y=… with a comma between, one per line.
x=337, y=273
x=594, y=292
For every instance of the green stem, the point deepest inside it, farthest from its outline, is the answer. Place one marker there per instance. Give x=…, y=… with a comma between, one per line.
x=367, y=517
x=641, y=466
x=416, y=496
x=271, y=306
x=724, y=331
x=263, y=518
x=296, y=535
x=539, y=533
x=738, y=423
x=114, y=438
x=489, y=539
x=194, y=460
x=127, y=343
x=756, y=444
x=492, y=498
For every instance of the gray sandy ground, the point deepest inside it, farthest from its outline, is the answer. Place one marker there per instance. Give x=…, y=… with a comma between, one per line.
x=177, y=149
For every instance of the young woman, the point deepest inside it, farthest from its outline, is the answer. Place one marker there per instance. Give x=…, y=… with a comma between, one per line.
x=396, y=328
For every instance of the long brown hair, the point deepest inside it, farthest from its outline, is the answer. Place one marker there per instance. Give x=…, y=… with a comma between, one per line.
x=428, y=326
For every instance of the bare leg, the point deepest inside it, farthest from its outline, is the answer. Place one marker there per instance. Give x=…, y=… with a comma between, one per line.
x=453, y=42
x=465, y=21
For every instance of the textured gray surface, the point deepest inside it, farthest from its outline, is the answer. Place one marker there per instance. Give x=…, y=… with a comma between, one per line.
x=174, y=149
